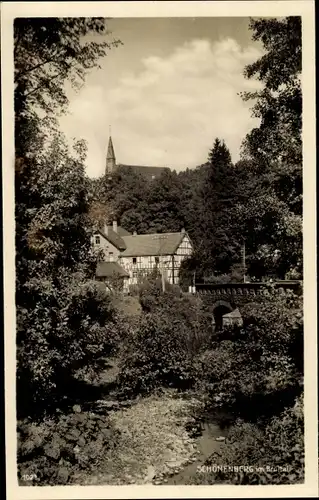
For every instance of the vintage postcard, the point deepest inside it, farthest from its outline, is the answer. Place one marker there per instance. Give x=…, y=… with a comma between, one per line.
x=159, y=195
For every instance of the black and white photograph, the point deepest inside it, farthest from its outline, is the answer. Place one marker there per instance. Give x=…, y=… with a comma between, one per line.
x=158, y=228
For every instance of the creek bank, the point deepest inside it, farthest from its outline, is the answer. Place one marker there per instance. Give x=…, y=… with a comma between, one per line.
x=169, y=438
x=208, y=434
x=151, y=439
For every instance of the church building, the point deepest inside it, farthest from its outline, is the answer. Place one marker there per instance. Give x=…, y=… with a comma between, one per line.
x=150, y=172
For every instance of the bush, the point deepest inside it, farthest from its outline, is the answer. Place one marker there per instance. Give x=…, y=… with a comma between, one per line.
x=157, y=356
x=272, y=455
x=260, y=361
x=53, y=451
x=70, y=323
x=167, y=338
x=151, y=294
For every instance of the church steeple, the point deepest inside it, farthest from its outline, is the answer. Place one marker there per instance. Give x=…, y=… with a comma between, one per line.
x=110, y=158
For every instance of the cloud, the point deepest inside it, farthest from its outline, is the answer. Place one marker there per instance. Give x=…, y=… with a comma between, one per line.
x=170, y=112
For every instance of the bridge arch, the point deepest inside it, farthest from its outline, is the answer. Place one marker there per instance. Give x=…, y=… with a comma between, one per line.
x=220, y=307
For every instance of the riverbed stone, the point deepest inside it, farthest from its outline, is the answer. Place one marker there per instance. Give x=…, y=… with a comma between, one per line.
x=63, y=475
x=220, y=438
x=81, y=441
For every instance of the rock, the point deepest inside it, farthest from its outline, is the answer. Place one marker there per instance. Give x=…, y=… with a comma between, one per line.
x=157, y=482
x=220, y=438
x=77, y=408
x=125, y=404
x=93, y=416
x=52, y=450
x=150, y=473
x=108, y=405
x=63, y=475
x=73, y=435
x=80, y=417
x=165, y=480
x=107, y=433
x=81, y=441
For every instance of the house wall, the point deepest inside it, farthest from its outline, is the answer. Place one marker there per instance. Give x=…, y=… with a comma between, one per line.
x=140, y=266
x=110, y=251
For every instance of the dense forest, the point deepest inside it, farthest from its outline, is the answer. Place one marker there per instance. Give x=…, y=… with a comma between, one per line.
x=168, y=357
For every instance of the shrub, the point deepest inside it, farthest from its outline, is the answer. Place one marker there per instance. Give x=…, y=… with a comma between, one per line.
x=162, y=350
x=157, y=356
x=53, y=451
x=260, y=361
x=70, y=323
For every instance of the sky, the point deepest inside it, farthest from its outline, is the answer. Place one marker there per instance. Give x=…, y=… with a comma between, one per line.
x=166, y=93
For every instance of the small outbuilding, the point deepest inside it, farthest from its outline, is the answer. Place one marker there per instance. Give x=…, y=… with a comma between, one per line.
x=233, y=318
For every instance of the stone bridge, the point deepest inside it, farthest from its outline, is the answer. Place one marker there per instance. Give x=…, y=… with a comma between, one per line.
x=226, y=299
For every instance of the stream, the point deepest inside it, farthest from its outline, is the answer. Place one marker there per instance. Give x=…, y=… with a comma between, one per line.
x=206, y=445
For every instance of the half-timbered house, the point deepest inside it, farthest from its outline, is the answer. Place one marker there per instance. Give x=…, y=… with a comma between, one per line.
x=138, y=255
x=164, y=251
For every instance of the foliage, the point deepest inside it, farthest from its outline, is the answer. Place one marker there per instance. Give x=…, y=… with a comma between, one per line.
x=157, y=357
x=49, y=51
x=64, y=325
x=159, y=209
x=62, y=318
x=54, y=451
x=274, y=150
x=272, y=339
x=165, y=341
x=273, y=454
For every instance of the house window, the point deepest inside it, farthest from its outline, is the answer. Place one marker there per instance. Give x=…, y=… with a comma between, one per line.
x=111, y=257
x=134, y=260
x=97, y=240
x=156, y=260
x=134, y=274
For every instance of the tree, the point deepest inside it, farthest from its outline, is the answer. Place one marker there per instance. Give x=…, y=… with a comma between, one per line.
x=216, y=248
x=274, y=149
x=49, y=51
x=162, y=204
x=63, y=319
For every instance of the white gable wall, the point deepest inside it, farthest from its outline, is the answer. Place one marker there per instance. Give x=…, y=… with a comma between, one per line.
x=99, y=242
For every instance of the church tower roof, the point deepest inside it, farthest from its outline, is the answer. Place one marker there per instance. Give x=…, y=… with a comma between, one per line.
x=110, y=150
x=110, y=157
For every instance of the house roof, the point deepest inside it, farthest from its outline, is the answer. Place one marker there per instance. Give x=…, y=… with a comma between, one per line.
x=116, y=238
x=152, y=244
x=233, y=314
x=147, y=170
x=109, y=270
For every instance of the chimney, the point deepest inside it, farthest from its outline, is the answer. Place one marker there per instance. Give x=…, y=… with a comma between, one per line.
x=135, y=233
x=183, y=230
x=106, y=229
x=115, y=226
